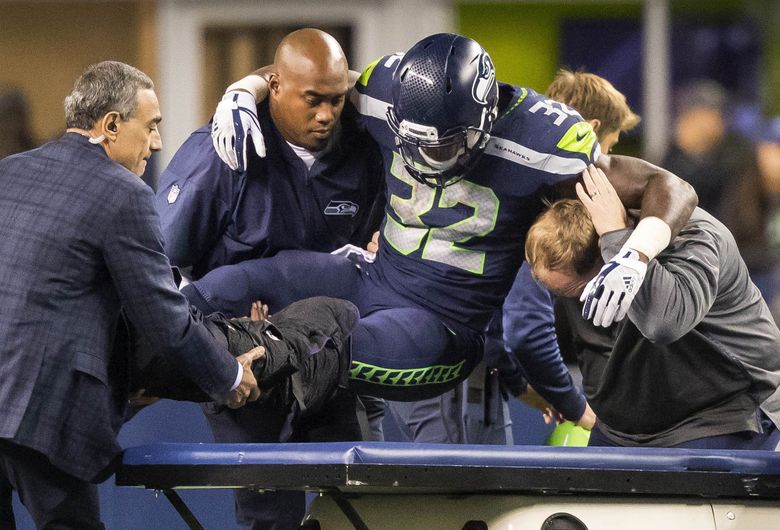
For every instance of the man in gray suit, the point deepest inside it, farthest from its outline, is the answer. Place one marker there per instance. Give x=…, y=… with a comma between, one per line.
x=80, y=241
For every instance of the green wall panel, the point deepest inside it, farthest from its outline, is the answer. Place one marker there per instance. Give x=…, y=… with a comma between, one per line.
x=523, y=38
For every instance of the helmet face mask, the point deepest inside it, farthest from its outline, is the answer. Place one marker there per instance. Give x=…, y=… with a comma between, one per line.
x=444, y=104
x=437, y=161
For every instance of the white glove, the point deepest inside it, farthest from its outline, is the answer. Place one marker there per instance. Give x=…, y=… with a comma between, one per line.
x=355, y=254
x=234, y=120
x=608, y=295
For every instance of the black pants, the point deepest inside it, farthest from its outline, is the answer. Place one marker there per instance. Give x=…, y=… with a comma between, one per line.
x=55, y=500
x=304, y=398
x=262, y=422
x=307, y=357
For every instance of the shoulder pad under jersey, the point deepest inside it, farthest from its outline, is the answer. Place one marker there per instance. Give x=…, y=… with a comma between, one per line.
x=541, y=133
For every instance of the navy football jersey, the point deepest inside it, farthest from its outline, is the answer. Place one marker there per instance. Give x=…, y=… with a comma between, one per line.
x=456, y=250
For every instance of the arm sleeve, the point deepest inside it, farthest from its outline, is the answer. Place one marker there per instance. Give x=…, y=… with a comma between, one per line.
x=141, y=273
x=680, y=284
x=372, y=95
x=194, y=201
x=497, y=357
x=529, y=333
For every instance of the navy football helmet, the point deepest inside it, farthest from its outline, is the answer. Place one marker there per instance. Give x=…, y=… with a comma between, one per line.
x=444, y=103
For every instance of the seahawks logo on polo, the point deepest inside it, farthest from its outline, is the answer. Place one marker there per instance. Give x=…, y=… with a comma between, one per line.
x=342, y=208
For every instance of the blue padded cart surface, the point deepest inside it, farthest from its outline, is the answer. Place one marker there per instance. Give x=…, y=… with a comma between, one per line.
x=408, y=467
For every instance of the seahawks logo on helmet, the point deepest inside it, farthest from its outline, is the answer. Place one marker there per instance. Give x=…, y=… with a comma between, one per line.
x=439, y=132
x=485, y=80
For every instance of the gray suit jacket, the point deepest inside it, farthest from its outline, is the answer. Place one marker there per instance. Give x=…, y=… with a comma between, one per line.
x=79, y=241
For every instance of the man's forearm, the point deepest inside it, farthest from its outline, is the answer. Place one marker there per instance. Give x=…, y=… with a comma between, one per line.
x=670, y=199
x=655, y=191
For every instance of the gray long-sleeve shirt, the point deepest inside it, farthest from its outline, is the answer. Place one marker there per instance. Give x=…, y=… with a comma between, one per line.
x=699, y=349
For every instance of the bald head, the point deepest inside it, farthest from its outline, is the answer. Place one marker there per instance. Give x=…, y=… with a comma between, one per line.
x=311, y=48
x=308, y=87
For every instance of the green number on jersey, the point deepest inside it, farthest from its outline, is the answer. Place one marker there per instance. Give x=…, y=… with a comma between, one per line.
x=408, y=233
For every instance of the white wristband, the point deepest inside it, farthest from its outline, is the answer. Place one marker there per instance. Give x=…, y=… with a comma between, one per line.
x=239, y=377
x=253, y=83
x=650, y=237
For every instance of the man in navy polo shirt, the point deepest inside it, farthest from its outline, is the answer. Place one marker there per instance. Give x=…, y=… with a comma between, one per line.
x=315, y=190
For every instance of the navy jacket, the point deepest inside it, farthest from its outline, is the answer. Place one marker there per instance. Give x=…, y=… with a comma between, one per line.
x=79, y=241
x=213, y=216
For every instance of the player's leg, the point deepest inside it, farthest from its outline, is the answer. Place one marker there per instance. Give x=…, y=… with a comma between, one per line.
x=336, y=421
x=257, y=422
x=307, y=405
x=408, y=354
x=278, y=281
x=371, y=414
x=53, y=498
x=473, y=414
x=434, y=420
x=7, y=519
x=306, y=354
x=317, y=333
x=307, y=359
x=487, y=417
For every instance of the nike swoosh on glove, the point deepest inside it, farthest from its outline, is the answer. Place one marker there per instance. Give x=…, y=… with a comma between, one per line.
x=608, y=296
x=234, y=120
